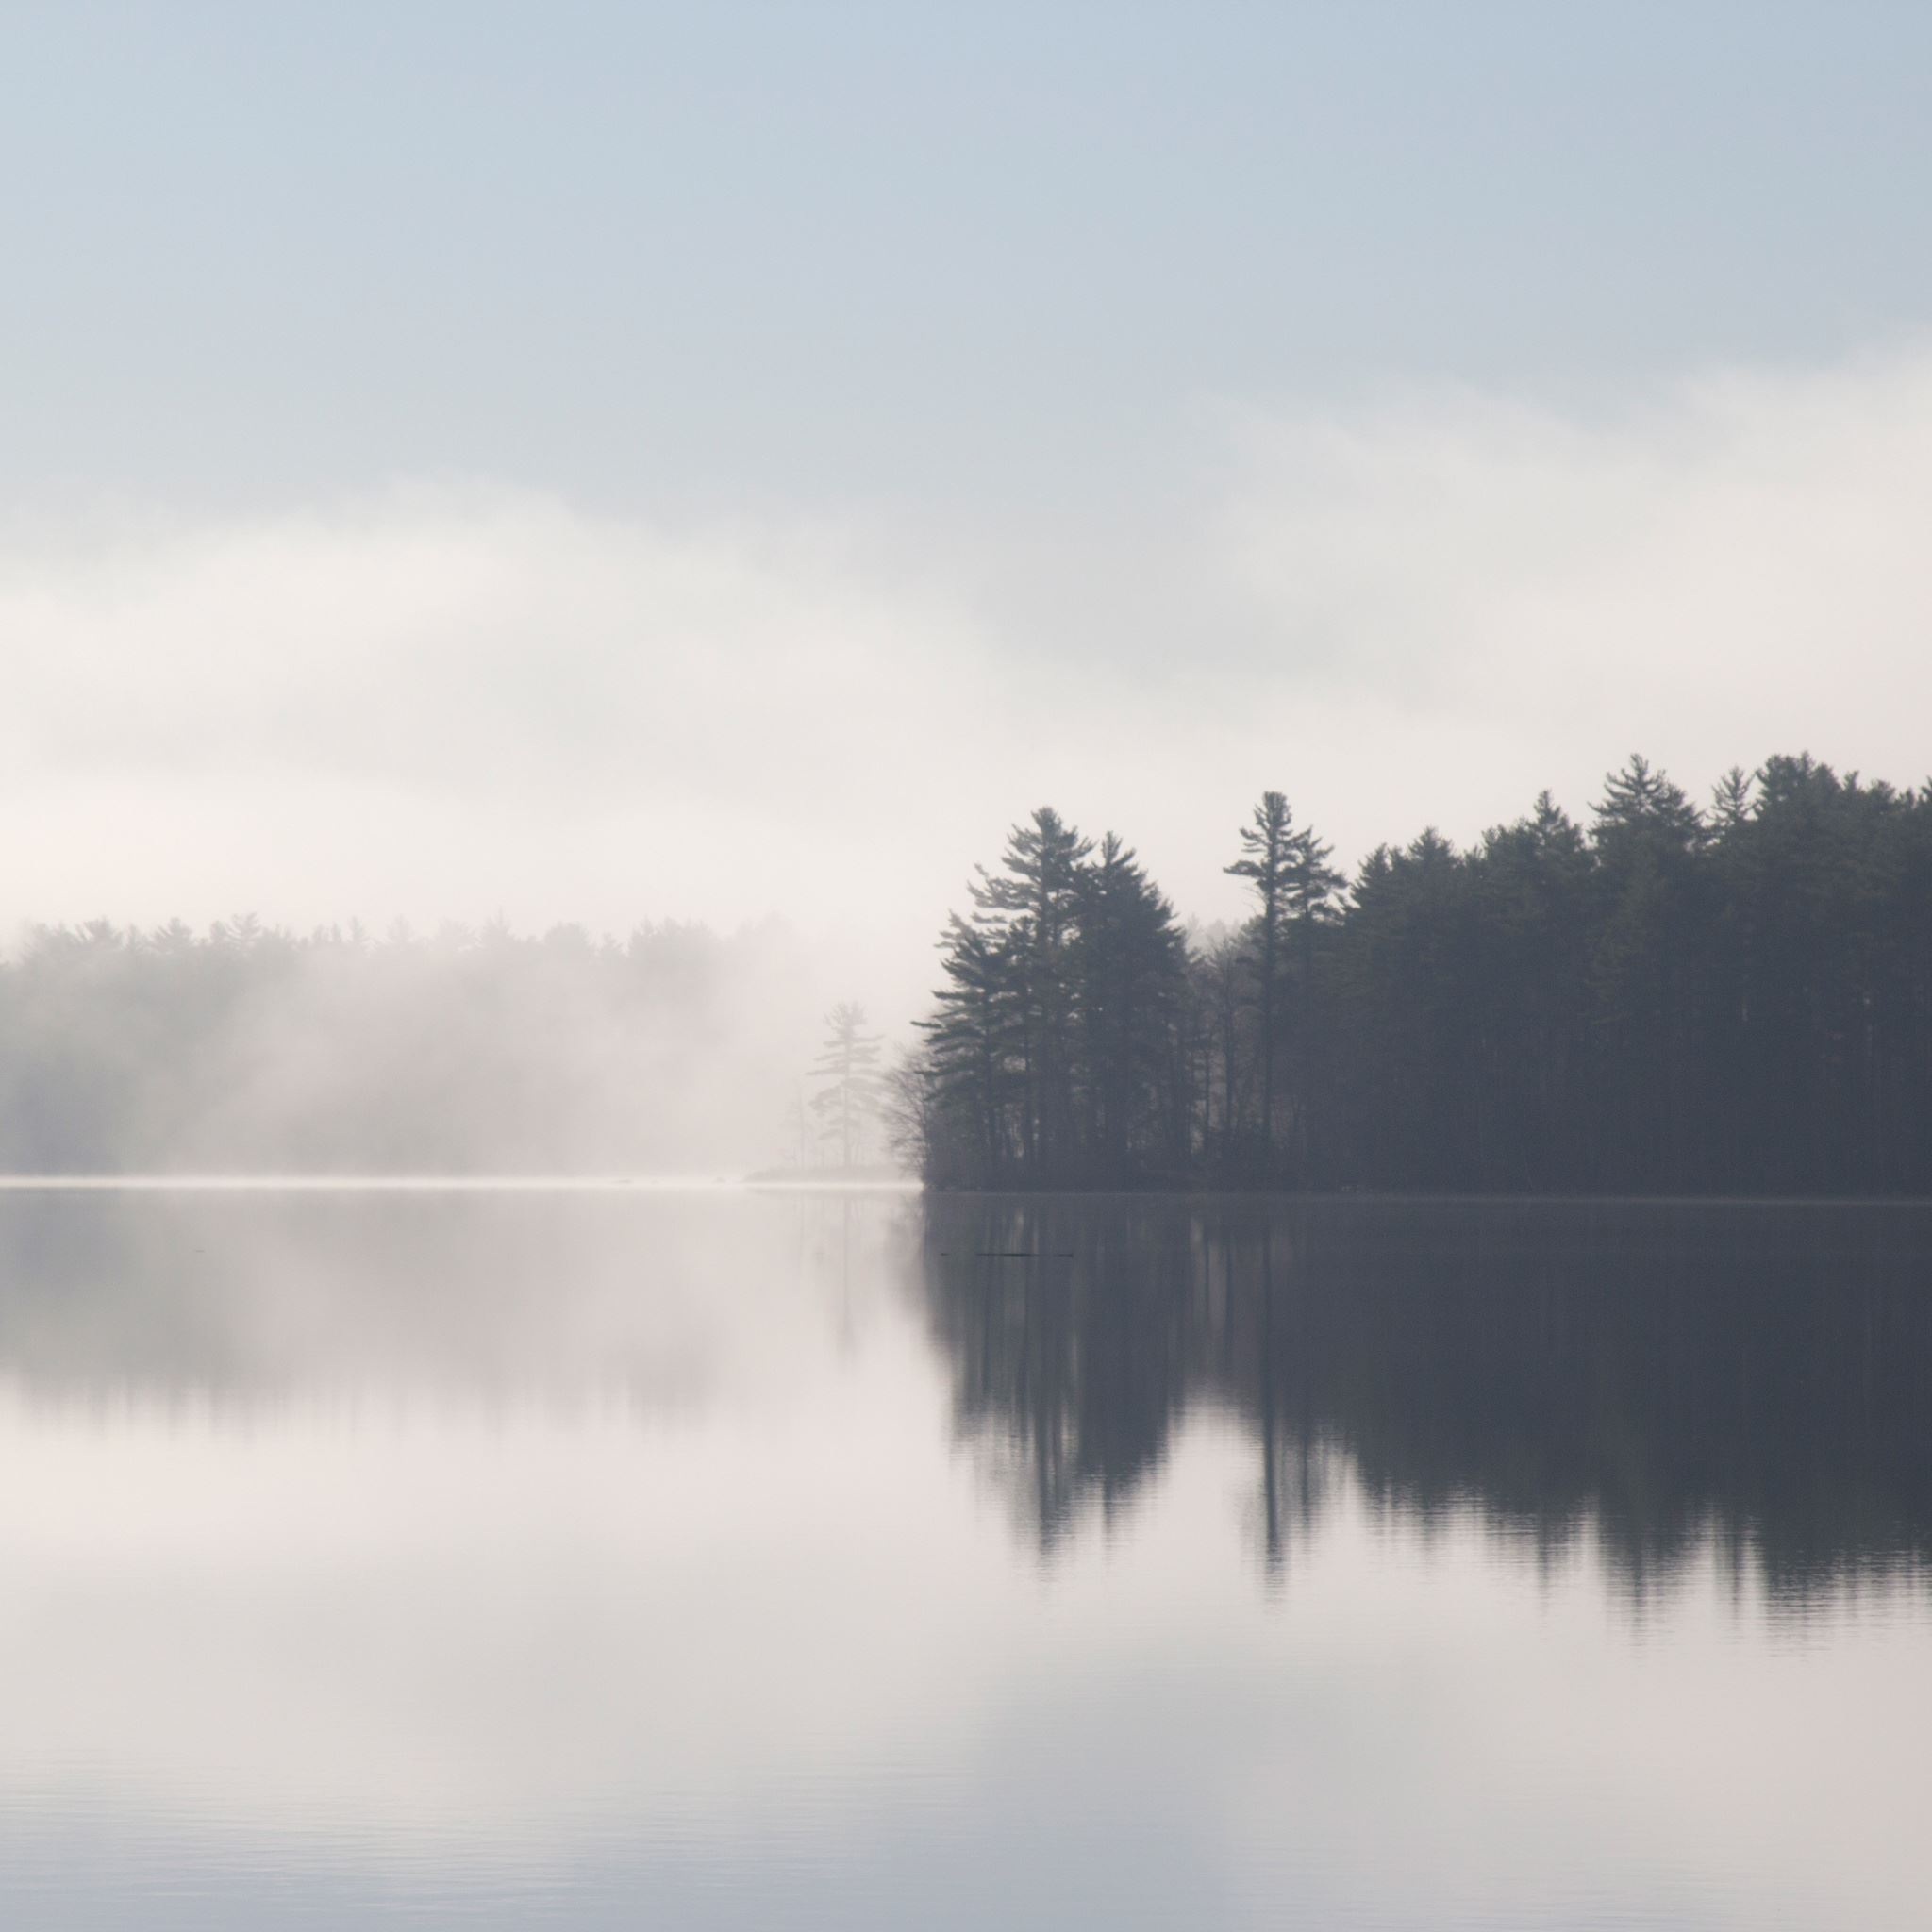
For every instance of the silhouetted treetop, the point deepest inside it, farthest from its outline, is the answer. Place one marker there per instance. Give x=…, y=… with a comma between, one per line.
x=1662, y=1000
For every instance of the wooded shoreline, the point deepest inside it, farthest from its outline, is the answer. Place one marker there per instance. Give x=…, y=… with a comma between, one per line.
x=1732, y=1000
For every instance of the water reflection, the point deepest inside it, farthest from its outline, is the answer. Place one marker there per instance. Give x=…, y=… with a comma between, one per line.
x=1662, y=1376
x=238, y=1302
x=617, y=1560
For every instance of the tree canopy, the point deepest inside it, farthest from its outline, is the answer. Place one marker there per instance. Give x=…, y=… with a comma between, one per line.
x=1667, y=999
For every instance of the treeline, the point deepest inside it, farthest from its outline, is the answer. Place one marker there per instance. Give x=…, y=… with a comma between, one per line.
x=248, y=1048
x=1669, y=999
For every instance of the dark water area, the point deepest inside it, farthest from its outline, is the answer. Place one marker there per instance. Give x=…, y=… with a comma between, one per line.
x=1657, y=1375
x=723, y=1557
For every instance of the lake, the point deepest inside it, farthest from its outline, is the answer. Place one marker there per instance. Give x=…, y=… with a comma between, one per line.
x=717, y=1557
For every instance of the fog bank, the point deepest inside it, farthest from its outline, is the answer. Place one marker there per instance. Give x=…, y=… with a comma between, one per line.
x=250, y=1051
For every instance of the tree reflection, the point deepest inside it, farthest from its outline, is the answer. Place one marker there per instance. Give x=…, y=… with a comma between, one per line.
x=1672, y=1378
x=1668, y=1382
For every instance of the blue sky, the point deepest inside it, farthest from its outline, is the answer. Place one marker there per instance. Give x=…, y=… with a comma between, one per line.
x=726, y=254
x=462, y=420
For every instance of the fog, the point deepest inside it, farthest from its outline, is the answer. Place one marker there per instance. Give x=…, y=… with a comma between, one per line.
x=964, y=966
x=712, y=471
x=247, y=1050
x=438, y=701
x=453, y=704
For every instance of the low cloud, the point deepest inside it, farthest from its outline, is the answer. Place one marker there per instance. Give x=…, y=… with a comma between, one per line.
x=1736, y=567
x=443, y=702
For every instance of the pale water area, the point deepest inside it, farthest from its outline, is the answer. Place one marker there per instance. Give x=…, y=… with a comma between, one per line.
x=730, y=1559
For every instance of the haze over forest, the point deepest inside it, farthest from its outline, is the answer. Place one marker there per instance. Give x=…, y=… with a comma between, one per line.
x=1667, y=998
x=715, y=472
x=965, y=965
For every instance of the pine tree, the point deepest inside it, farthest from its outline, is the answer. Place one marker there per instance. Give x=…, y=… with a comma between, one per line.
x=1029, y=910
x=1665, y=1002
x=1128, y=961
x=971, y=1056
x=1270, y=865
x=848, y=1063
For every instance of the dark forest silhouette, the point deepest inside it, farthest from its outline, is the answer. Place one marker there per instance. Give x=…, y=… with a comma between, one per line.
x=1669, y=1000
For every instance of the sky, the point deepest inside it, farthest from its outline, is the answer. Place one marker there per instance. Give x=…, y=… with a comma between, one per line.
x=608, y=463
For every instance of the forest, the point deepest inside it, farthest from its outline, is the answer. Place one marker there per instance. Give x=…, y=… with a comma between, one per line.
x=1672, y=998
x=246, y=1048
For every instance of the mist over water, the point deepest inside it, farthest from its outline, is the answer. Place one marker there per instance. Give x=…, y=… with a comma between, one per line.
x=965, y=967
x=840, y=1557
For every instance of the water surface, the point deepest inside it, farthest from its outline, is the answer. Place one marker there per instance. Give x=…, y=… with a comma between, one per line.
x=732, y=1558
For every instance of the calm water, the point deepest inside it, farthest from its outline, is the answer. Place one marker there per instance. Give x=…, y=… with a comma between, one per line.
x=734, y=1560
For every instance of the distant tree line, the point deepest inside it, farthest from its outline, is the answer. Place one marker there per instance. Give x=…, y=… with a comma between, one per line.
x=1668, y=999
x=247, y=1047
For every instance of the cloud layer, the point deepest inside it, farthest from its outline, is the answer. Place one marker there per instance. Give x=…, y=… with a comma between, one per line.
x=444, y=701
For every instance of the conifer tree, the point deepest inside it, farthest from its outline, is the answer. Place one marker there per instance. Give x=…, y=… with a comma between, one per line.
x=848, y=1063
x=1271, y=856
x=1664, y=1002
x=1029, y=910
